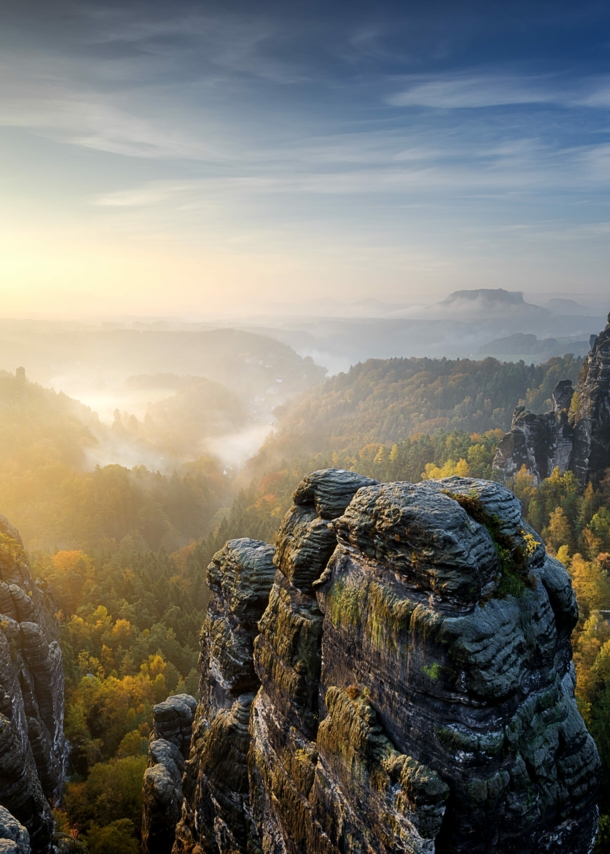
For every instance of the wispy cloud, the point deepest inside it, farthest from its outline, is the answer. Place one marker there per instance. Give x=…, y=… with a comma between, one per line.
x=468, y=91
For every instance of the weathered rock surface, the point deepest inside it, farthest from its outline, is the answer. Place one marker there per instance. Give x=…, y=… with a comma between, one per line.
x=32, y=745
x=215, y=810
x=14, y=838
x=168, y=748
x=411, y=684
x=575, y=436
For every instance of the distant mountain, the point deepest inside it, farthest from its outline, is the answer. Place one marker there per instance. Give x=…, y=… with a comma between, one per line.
x=487, y=304
x=524, y=345
x=255, y=367
x=570, y=307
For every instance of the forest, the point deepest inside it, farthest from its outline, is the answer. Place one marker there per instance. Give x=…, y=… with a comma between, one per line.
x=124, y=551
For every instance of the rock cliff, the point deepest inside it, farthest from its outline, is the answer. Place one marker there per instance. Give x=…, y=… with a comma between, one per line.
x=408, y=688
x=32, y=748
x=168, y=748
x=575, y=436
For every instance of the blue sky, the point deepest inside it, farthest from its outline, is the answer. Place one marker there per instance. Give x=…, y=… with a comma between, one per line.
x=185, y=157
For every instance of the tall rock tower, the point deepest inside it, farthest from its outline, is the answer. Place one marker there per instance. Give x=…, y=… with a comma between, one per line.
x=409, y=687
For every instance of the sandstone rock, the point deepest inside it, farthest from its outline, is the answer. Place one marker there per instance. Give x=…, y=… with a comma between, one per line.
x=14, y=838
x=473, y=678
x=32, y=755
x=329, y=491
x=575, y=436
x=411, y=692
x=216, y=804
x=169, y=746
x=591, y=454
x=173, y=721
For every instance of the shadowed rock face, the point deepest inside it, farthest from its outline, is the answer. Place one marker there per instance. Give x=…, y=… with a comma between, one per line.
x=32, y=746
x=416, y=688
x=575, y=436
x=215, y=810
x=169, y=746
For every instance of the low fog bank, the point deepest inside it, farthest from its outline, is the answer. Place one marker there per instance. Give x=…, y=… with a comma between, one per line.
x=163, y=397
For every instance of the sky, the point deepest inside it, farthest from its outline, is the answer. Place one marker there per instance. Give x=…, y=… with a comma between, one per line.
x=198, y=158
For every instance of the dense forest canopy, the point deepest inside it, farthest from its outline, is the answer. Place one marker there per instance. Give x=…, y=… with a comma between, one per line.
x=389, y=400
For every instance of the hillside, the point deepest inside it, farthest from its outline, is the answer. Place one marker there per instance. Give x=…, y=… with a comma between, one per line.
x=386, y=401
x=58, y=498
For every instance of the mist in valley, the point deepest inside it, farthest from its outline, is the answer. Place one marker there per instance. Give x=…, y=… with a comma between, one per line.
x=165, y=392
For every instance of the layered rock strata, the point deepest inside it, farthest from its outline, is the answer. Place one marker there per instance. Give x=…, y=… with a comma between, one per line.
x=168, y=748
x=32, y=745
x=215, y=810
x=575, y=436
x=416, y=687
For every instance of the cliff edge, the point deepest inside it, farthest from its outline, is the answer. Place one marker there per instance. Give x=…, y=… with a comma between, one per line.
x=32, y=746
x=408, y=687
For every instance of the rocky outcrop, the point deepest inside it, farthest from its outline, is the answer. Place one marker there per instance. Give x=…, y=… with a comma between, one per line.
x=32, y=746
x=215, y=811
x=575, y=436
x=14, y=838
x=168, y=748
x=410, y=683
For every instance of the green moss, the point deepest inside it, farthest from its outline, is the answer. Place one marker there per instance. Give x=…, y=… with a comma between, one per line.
x=432, y=670
x=511, y=558
x=344, y=604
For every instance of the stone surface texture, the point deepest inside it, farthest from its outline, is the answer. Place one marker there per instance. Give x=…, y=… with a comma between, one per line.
x=14, y=838
x=168, y=748
x=216, y=806
x=32, y=744
x=575, y=436
x=411, y=683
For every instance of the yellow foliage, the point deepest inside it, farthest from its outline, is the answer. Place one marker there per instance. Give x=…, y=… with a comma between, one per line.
x=449, y=469
x=590, y=583
x=68, y=561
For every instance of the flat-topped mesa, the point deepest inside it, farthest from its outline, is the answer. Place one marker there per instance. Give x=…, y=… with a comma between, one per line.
x=32, y=744
x=575, y=436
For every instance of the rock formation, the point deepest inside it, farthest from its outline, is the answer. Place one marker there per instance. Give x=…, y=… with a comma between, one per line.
x=14, y=838
x=216, y=805
x=575, y=436
x=416, y=688
x=168, y=748
x=32, y=748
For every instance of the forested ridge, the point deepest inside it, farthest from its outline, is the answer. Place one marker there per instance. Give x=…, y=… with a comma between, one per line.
x=124, y=550
x=389, y=400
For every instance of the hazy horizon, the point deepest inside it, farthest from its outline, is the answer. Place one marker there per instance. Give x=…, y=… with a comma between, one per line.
x=199, y=159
